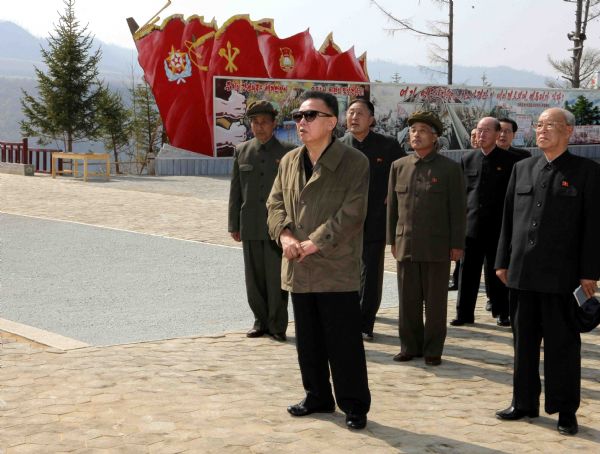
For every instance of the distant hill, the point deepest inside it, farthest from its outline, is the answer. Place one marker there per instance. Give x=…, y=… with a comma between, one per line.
x=20, y=53
x=498, y=76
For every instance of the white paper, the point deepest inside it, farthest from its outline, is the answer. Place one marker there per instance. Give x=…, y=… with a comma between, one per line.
x=580, y=295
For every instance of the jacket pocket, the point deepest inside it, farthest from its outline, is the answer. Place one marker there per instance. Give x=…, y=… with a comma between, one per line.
x=246, y=167
x=524, y=189
x=401, y=188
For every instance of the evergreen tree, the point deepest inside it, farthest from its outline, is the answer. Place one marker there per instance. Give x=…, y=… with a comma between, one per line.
x=68, y=92
x=585, y=112
x=114, y=123
x=146, y=124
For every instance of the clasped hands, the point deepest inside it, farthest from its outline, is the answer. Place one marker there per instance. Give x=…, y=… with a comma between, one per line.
x=294, y=249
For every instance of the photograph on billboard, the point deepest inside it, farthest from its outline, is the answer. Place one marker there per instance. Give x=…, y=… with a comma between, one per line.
x=233, y=95
x=460, y=108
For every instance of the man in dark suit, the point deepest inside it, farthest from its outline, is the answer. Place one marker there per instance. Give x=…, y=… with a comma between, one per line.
x=486, y=171
x=508, y=128
x=548, y=247
x=255, y=165
x=381, y=151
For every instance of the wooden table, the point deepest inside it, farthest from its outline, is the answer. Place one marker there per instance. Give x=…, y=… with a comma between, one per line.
x=85, y=157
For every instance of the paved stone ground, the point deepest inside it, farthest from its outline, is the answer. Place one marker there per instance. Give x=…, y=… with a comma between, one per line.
x=226, y=393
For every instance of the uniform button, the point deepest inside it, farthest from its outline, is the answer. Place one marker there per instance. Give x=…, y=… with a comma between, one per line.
x=538, y=204
x=302, y=202
x=544, y=185
x=531, y=242
x=534, y=223
x=328, y=236
x=299, y=226
x=262, y=174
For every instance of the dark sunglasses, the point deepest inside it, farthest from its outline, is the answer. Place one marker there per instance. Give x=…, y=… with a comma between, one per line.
x=308, y=115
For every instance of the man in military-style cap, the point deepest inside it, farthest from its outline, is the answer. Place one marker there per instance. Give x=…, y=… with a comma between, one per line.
x=426, y=229
x=255, y=165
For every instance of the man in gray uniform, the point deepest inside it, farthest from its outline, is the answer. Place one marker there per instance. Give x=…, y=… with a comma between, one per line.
x=255, y=165
x=426, y=228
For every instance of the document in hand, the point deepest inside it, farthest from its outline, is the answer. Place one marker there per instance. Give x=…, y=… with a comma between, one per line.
x=580, y=295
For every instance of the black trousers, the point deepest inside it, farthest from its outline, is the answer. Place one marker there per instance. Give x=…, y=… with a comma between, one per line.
x=262, y=265
x=476, y=251
x=328, y=336
x=538, y=316
x=371, y=282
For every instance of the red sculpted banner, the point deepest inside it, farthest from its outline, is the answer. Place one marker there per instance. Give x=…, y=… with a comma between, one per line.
x=181, y=57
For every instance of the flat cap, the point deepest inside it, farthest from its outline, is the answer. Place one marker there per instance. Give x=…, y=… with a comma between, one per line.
x=427, y=117
x=260, y=107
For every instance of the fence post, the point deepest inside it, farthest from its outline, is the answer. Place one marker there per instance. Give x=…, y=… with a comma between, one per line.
x=26, y=159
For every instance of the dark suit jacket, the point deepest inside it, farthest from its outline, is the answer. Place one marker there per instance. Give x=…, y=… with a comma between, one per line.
x=254, y=170
x=549, y=239
x=486, y=178
x=521, y=153
x=381, y=151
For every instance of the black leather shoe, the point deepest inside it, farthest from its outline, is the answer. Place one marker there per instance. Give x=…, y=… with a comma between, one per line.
x=488, y=306
x=402, y=357
x=367, y=337
x=356, y=422
x=567, y=424
x=254, y=332
x=302, y=410
x=460, y=322
x=503, y=321
x=512, y=414
x=279, y=337
x=433, y=360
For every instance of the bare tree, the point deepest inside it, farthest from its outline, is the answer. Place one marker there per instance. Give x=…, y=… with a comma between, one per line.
x=435, y=29
x=589, y=64
x=581, y=65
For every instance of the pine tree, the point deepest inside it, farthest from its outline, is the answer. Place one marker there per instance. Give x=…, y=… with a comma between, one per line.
x=585, y=112
x=65, y=109
x=146, y=124
x=114, y=122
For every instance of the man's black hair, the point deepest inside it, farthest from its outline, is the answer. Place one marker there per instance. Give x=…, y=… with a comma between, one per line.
x=368, y=104
x=329, y=100
x=511, y=121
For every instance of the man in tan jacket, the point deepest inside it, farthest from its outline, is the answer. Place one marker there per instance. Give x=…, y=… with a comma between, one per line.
x=426, y=228
x=317, y=209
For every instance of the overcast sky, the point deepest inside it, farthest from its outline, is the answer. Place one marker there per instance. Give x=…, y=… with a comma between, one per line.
x=516, y=33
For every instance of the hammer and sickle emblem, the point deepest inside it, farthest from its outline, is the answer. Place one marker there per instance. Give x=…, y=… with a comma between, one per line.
x=230, y=55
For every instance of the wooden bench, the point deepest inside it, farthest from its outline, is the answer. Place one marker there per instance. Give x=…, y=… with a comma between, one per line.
x=85, y=157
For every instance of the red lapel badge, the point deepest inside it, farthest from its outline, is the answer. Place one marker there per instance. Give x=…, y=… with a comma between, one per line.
x=565, y=184
x=434, y=180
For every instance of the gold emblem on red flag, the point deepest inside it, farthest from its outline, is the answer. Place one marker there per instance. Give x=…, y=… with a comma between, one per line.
x=229, y=54
x=286, y=59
